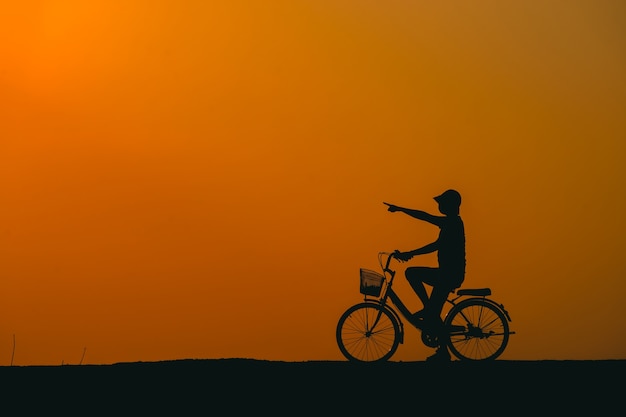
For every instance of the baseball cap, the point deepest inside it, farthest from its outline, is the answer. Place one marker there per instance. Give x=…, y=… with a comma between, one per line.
x=449, y=197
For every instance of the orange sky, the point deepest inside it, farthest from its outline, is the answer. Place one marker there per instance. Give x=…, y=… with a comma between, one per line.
x=204, y=179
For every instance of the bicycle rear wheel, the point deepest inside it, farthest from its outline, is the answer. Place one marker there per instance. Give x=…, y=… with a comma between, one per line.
x=368, y=332
x=485, y=331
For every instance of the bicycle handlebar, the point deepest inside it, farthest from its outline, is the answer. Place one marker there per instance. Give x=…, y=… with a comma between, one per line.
x=390, y=256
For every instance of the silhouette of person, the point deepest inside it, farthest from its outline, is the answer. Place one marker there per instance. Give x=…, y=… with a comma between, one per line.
x=450, y=248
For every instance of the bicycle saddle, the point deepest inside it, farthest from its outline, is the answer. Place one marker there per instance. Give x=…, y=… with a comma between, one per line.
x=479, y=292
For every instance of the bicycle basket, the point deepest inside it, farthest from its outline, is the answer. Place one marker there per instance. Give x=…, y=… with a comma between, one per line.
x=371, y=282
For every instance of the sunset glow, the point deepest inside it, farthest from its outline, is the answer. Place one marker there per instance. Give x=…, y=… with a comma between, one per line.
x=204, y=179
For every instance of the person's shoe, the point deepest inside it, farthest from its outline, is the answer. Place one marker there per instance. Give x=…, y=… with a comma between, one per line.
x=442, y=355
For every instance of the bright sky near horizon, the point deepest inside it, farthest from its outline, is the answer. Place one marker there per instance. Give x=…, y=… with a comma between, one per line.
x=204, y=179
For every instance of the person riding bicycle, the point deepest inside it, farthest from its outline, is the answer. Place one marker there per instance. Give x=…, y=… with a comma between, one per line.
x=450, y=248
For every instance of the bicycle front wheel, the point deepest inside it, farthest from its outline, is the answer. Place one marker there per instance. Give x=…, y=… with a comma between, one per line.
x=479, y=330
x=368, y=332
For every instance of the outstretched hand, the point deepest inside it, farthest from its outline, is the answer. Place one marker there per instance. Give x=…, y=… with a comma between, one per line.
x=391, y=207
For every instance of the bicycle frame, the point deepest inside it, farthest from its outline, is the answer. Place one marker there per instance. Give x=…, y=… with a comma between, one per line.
x=403, y=310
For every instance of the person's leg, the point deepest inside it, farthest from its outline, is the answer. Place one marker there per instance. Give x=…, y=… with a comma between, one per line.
x=417, y=276
x=438, y=297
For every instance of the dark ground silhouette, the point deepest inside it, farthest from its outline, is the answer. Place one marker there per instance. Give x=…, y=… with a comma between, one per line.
x=241, y=386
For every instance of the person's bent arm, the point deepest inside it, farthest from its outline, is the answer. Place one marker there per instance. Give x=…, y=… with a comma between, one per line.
x=405, y=256
x=431, y=247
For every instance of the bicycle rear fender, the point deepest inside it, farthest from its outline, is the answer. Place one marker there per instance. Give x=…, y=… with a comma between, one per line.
x=500, y=306
x=485, y=300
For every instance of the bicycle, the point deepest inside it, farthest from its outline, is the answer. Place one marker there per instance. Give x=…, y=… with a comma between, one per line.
x=371, y=331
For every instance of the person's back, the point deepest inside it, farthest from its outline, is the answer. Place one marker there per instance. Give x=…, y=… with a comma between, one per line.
x=451, y=251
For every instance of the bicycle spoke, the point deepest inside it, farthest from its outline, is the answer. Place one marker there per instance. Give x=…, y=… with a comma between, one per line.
x=366, y=332
x=487, y=330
